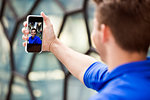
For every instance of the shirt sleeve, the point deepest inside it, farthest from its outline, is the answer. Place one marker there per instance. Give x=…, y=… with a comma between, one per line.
x=94, y=75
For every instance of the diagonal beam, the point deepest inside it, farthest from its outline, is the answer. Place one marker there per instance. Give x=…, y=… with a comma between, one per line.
x=2, y=8
x=12, y=9
x=62, y=25
x=60, y=5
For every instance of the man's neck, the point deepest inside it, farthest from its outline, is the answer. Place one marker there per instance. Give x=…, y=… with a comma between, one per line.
x=119, y=57
x=33, y=37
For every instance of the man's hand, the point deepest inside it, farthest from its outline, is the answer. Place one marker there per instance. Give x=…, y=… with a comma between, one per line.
x=48, y=34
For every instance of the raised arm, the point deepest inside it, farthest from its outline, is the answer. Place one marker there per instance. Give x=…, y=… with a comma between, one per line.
x=75, y=62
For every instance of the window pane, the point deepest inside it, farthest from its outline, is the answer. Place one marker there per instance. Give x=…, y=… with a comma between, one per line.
x=47, y=77
x=78, y=91
x=91, y=8
x=20, y=90
x=9, y=20
x=74, y=33
x=21, y=7
x=71, y=5
x=4, y=65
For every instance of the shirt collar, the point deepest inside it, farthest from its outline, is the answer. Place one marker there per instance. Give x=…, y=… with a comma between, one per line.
x=129, y=67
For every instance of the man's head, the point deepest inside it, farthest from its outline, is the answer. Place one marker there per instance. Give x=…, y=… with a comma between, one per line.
x=33, y=32
x=127, y=21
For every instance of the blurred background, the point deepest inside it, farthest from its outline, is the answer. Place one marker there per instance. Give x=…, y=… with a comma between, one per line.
x=41, y=76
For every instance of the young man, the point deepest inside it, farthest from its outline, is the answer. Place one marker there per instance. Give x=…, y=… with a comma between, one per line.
x=33, y=39
x=122, y=37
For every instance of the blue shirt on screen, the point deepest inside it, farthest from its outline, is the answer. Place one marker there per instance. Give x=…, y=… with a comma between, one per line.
x=35, y=40
x=126, y=82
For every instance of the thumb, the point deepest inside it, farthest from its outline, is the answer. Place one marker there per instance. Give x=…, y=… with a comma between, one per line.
x=46, y=19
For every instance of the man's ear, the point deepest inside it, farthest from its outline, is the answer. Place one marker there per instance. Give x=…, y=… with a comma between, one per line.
x=105, y=31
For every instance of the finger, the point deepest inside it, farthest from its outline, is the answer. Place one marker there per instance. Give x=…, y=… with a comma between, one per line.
x=24, y=44
x=46, y=19
x=25, y=23
x=25, y=31
x=25, y=37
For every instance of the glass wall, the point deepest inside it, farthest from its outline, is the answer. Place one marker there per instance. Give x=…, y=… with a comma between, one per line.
x=41, y=76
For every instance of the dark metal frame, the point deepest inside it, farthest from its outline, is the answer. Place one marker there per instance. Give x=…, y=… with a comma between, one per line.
x=14, y=73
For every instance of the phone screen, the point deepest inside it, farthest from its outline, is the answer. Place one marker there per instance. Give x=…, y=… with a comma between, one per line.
x=35, y=26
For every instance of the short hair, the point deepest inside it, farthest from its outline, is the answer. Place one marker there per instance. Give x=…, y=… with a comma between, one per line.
x=34, y=29
x=129, y=22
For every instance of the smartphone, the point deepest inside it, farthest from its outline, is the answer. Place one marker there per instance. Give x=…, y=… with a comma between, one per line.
x=35, y=26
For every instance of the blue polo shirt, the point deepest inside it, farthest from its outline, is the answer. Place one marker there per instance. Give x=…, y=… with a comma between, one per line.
x=35, y=40
x=126, y=82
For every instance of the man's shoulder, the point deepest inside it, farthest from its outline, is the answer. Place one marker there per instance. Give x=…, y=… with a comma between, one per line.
x=126, y=86
x=128, y=82
x=37, y=37
x=30, y=38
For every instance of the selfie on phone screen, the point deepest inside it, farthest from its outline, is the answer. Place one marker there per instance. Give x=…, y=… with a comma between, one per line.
x=35, y=26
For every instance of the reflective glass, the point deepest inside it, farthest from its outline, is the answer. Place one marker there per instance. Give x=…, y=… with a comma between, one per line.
x=20, y=90
x=47, y=77
x=4, y=65
x=91, y=8
x=74, y=33
x=21, y=7
x=48, y=85
x=9, y=20
x=45, y=61
x=71, y=5
x=78, y=91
